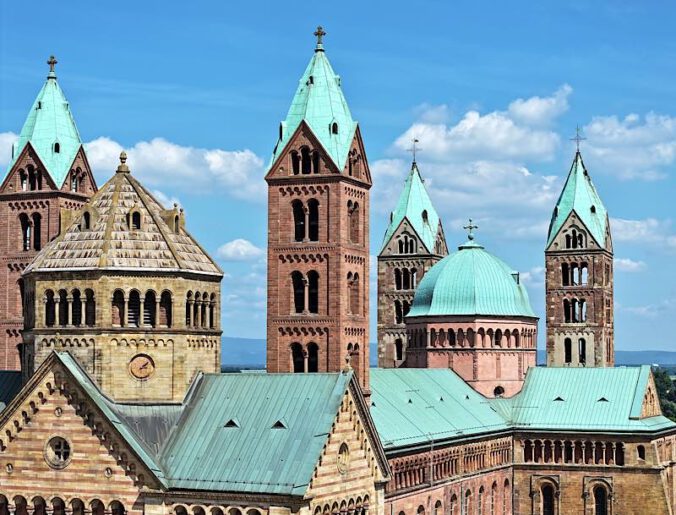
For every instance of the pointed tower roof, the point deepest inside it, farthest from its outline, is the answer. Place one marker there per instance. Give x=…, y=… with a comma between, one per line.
x=110, y=243
x=49, y=122
x=416, y=206
x=579, y=195
x=319, y=102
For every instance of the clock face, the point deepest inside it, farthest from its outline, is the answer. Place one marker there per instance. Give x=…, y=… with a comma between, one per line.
x=142, y=366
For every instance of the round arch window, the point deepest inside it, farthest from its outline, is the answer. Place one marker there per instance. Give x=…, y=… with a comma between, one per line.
x=58, y=452
x=343, y=458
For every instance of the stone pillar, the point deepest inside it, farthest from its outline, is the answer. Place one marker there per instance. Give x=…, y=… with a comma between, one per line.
x=189, y=321
x=125, y=318
x=306, y=296
x=198, y=321
x=141, y=309
x=83, y=310
x=69, y=311
x=157, y=312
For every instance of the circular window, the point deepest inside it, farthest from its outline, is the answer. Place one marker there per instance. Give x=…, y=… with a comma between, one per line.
x=57, y=452
x=343, y=458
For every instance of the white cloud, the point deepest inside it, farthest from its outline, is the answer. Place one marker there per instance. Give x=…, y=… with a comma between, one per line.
x=540, y=110
x=239, y=250
x=649, y=230
x=166, y=201
x=534, y=278
x=428, y=113
x=629, y=265
x=659, y=309
x=7, y=139
x=159, y=162
x=632, y=147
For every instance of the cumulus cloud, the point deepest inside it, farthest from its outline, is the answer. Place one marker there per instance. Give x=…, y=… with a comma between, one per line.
x=540, y=110
x=239, y=250
x=7, y=139
x=649, y=230
x=629, y=265
x=534, y=278
x=632, y=147
x=166, y=200
x=159, y=162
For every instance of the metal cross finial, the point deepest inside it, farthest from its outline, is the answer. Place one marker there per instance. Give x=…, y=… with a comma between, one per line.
x=414, y=148
x=577, y=137
x=470, y=227
x=52, y=62
x=320, y=33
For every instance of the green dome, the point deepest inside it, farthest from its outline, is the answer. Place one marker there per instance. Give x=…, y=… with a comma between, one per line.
x=471, y=282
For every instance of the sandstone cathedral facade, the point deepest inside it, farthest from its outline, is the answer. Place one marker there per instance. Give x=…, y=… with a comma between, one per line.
x=112, y=400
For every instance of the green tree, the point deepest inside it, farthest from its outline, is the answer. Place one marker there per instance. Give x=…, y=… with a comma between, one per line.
x=666, y=391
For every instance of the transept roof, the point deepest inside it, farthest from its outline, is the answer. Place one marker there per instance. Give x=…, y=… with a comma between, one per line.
x=113, y=242
x=415, y=206
x=579, y=195
x=50, y=122
x=319, y=102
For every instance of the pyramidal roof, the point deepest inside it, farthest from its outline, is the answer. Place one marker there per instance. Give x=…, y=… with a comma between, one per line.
x=111, y=244
x=416, y=206
x=50, y=121
x=579, y=195
x=319, y=102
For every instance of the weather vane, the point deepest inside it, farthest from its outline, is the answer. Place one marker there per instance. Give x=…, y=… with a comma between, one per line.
x=470, y=227
x=414, y=148
x=577, y=138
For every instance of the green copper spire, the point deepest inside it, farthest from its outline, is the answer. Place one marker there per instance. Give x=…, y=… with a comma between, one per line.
x=416, y=206
x=320, y=103
x=579, y=195
x=50, y=129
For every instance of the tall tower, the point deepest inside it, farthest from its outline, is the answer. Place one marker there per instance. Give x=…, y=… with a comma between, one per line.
x=579, y=280
x=413, y=242
x=48, y=173
x=318, y=232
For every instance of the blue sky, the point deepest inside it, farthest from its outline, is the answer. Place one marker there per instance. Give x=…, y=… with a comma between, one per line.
x=493, y=90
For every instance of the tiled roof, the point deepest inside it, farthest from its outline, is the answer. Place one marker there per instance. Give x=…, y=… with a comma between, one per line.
x=413, y=202
x=50, y=121
x=111, y=244
x=319, y=102
x=582, y=399
x=579, y=195
x=471, y=282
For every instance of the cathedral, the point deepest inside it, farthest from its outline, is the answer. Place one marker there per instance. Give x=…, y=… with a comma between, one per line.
x=112, y=400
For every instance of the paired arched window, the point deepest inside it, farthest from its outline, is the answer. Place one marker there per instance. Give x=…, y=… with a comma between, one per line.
x=200, y=310
x=574, y=310
x=574, y=274
x=305, y=162
x=575, y=240
x=70, y=309
x=354, y=221
x=405, y=278
x=305, y=292
x=406, y=244
x=304, y=359
x=31, y=179
x=305, y=220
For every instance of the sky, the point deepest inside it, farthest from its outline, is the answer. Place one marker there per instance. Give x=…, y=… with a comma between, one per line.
x=493, y=91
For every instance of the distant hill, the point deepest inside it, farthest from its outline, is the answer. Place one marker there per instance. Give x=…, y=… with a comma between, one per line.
x=250, y=353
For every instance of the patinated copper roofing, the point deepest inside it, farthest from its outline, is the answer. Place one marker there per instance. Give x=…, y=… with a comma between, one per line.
x=112, y=242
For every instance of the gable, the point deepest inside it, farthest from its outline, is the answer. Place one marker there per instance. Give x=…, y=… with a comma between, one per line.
x=27, y=160
x=80, y=166
x=52, y=405
x=650, y=407
x=574, y=222
x=405, y=228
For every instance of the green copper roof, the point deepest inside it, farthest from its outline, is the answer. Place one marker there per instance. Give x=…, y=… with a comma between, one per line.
x=582, y=399
x=471, y=282
x=280, y=423
x=579, y=195
x=411, y=406
x=319, y=101
x=415, y=206
x=50, y=121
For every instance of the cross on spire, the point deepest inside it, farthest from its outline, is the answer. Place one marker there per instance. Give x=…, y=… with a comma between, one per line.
x=319, y=33
x=414, y=149
x=577, y=138
x=470, y=227
x=52, y=62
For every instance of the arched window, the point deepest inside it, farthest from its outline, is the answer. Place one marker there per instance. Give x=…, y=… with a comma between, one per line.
x=600, y=501
x=517, y=338
x=313, y=219
x=547, y=493
x=565, y=274
x=405, y=279
x=420, y=510
x=177, y=225
x=37, y=231
x=86, y=221
x=397, y=279
x=574, y=276
x=354, y=221
x=584, y=273
x=567, y=350
x=398, y=349
x=582, y=351
x=149, y=309
x=90, y=308
x=583, y=310
x=298, y=292
x=334, y=128
x=295, y=162
x=73, y=182
x=398, y=312
x=165, y=309
x=425, y=216
x=297, y=358
x=25, y=232
x=494, y=498
x=23, y=178
x=506, y=497
x=480, y=502
x=315, y=162
x=117, y=508
x=414, y=278
x=406, y=307
x=118, y=309
x=212, y=311
x=134, y=309
x=76, y=307
x=188, y=309
x=57, y=147
x=313, y=291
x=305, y=162
x=640, y=452
x=454, y=505
x=498, y=338
x=438, y=508
x=203, y=310
x=298, y=220
x=136, y=221
x=50, y=308
x=312, y=357
x=353, y=293
x=566, y=311
x=468, y=507
x=63, y=308
x=451, y=338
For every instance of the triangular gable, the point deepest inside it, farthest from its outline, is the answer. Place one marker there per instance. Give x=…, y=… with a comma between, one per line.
x=56, y=402
x=646, y=401
x=404, y=226
x=27, y=154
x=80, y=160
x=573, y=218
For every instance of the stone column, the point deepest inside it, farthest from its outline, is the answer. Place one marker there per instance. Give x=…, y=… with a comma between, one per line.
x=83, y=310
x=69, y=311
x=198, y=321
x=189, y=321
x=306, y=296
x=141, y=311
x=157, y=312
x=306, y=213
x=124, y=319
